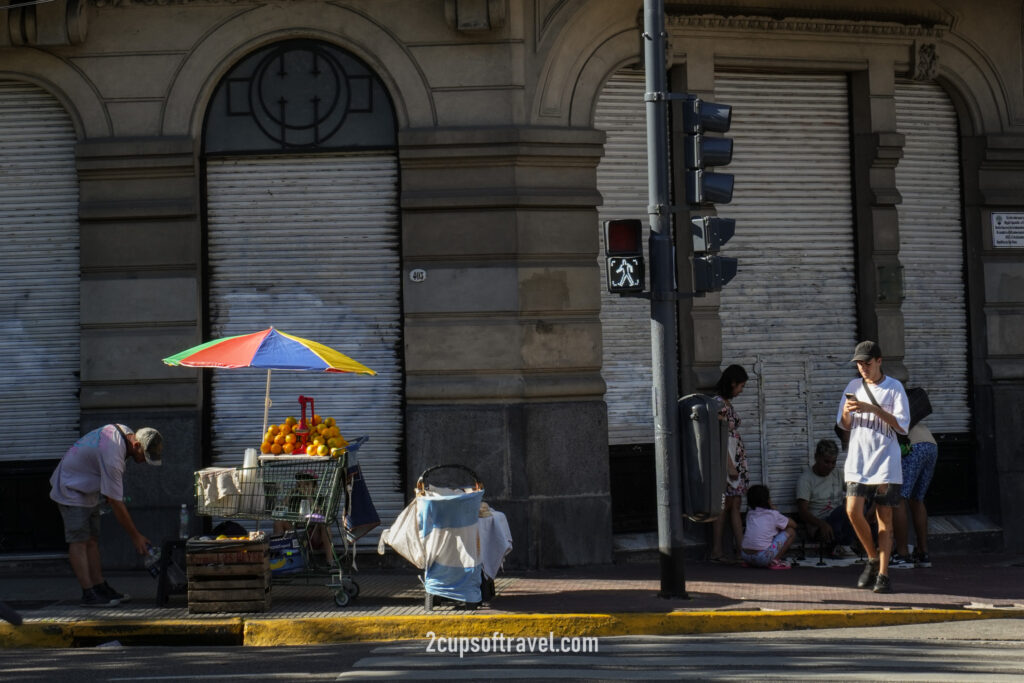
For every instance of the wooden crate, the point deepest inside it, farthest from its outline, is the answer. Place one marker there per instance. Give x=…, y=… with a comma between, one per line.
x=228, y=576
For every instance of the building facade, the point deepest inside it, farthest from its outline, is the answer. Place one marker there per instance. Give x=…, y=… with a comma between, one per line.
x=420, y=184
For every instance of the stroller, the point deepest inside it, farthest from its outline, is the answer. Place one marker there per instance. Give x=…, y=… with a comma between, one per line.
x=440, y=532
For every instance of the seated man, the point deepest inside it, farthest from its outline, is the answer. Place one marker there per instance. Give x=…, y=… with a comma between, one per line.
x=820, y=499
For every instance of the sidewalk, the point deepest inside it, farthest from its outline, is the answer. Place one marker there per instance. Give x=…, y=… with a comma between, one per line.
x=604, y=600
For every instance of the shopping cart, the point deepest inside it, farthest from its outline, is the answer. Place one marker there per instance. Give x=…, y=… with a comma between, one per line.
x=304, y=493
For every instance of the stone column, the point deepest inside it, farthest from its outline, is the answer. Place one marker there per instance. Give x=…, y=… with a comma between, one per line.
x=140, y=301
x=503, y=338
x=998, y=165
x=877, y=148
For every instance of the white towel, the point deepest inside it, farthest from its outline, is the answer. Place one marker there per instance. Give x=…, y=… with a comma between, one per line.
x=220, y=489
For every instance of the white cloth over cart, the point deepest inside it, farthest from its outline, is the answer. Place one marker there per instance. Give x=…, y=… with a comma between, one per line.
x=444, y=534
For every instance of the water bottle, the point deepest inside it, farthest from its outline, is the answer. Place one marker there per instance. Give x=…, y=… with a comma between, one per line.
x=183, y=522
x=152, y=560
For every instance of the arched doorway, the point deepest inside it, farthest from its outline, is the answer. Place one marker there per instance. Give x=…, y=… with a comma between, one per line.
x=302, y=226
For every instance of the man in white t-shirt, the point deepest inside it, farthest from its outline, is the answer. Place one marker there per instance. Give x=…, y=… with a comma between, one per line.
x=874, y=409
x=92, y=470
x=821, y=500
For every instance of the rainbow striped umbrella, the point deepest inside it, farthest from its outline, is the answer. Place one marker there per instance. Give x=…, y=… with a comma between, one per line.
x=270, y=349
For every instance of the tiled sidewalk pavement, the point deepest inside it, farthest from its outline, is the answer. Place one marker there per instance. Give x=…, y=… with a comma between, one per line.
x=953, y=583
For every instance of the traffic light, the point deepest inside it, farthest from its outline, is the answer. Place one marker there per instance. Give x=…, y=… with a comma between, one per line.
x=711, y=271
x=699, y=117
x=624, y=255
x=705, y=188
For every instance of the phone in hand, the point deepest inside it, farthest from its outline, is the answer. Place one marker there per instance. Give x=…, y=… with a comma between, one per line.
x=851, y=397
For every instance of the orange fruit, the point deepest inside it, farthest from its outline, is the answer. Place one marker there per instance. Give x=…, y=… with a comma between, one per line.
x=317, y=420
x=288, y=448
x=275, y=449
x=330, y=421
x=290, y=438
x=273, y=429
x=322, y=450
x=265, y=447
x=311, y=449
x=290, y=421
x=279, y=439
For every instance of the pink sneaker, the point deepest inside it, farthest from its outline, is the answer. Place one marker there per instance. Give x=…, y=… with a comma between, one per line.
x=779, y=564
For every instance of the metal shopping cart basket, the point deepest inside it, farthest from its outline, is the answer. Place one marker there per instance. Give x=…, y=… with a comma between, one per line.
x=309, y=494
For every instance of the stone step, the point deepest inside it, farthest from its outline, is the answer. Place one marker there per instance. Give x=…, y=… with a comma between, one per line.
x=947, y=535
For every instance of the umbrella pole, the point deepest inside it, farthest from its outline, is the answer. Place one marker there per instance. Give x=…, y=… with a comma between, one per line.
x=266, y=407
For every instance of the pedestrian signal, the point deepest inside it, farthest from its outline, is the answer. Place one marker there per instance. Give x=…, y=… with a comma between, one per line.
x=624, y=255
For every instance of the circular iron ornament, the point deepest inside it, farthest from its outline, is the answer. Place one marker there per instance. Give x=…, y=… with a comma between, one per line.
x=306, y=69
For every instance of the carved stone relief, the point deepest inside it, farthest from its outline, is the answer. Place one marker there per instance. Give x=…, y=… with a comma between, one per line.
x=476, y=15
x=925, y=62
x=46, y=24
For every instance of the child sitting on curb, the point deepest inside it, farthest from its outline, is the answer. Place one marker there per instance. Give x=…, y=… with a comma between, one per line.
x=769, y=532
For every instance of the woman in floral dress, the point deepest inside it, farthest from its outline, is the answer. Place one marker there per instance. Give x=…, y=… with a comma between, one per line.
x=730, y=385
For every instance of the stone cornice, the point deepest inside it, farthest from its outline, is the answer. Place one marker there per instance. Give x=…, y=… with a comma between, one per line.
x=162, y=3
x=887, y=29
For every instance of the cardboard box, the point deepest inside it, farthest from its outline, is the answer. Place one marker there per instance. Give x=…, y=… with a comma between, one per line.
x=286, y=555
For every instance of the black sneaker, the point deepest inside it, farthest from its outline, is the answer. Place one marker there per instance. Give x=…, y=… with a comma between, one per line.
x=882, y=584
x=922, y=559
x=107, y=591
x=867, y=577
x=897, y=561
x=90, y=598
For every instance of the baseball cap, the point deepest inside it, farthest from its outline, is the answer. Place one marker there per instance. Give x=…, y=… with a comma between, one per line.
x=152, y=445
x=866, y=350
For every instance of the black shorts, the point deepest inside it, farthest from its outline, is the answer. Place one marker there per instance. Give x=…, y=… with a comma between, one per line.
x=880, y=494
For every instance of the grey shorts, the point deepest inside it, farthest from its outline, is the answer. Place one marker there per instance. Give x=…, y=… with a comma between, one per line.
x=880, y=494
x=80, y=524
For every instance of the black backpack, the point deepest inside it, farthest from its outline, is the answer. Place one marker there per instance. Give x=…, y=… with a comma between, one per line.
x=920, y=406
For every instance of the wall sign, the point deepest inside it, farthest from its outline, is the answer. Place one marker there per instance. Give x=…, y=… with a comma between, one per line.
x=1008, y=230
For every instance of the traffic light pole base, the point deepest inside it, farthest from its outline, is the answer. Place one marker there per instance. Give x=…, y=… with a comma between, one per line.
x=673, y=580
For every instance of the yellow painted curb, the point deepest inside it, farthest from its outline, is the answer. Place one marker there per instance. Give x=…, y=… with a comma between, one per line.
x=127, y=631
x=316, y=630
x=267, y=632
x=36, y=635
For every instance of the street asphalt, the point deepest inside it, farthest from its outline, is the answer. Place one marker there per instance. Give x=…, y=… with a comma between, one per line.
x=604, y=600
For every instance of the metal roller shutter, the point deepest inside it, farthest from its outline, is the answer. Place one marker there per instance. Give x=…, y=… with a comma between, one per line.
x=310, y=245
x=625, y=322
x=39, y=310
x=789, y=316
x=931, y=251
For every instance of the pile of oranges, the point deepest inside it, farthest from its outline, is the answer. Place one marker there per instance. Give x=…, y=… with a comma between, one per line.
x=323, y=438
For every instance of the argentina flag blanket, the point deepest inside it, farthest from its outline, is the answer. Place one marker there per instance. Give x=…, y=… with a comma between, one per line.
x=450, y=534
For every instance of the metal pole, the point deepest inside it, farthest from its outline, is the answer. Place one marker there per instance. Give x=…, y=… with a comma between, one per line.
x=663, y=309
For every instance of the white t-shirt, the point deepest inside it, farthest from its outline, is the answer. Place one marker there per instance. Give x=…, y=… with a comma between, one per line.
x=873, y=456
x=823, y=494
x=91, y=467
